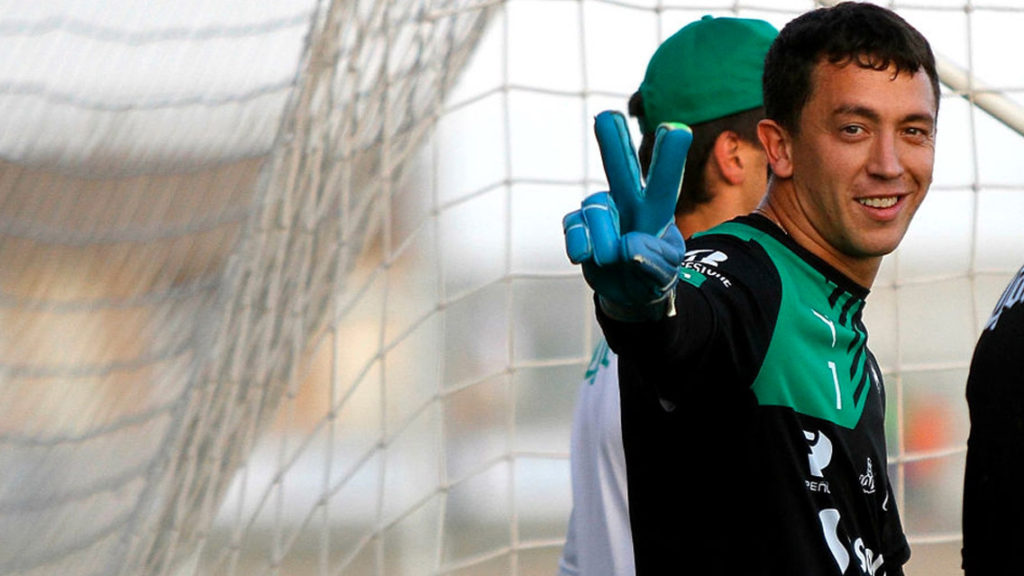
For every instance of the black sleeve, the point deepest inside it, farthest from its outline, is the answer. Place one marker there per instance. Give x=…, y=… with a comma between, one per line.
x=993, y=501
x=727, y=301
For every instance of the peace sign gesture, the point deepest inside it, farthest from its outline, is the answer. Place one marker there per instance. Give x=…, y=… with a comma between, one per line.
x=626, y=238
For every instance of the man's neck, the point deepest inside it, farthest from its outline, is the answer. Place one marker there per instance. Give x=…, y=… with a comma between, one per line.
x=707, y=216
x=861, y=270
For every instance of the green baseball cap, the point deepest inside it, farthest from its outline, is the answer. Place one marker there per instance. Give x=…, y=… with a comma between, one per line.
x=708, y=69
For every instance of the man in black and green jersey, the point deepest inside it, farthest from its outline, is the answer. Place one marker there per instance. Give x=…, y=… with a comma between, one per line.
x=751, y=333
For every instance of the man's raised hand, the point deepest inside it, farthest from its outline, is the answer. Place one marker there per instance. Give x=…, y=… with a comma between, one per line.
x=626, y=239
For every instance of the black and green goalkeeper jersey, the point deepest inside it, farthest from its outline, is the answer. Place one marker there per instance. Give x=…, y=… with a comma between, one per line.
x=753, y=418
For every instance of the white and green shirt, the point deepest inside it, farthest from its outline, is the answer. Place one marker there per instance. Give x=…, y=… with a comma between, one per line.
x=598, y=541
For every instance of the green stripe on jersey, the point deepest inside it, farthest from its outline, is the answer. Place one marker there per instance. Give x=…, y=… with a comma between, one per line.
x=691, y=276
x=816, y=361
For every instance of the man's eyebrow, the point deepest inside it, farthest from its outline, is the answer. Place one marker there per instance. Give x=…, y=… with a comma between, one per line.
x=921, y=117
x=855, y=110
x=870, y=114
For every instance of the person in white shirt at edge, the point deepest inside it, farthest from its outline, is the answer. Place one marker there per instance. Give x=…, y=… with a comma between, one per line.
x=707, y=76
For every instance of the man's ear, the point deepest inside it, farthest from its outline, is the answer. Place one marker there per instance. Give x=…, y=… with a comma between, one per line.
x=777, y=143
x=726, y=154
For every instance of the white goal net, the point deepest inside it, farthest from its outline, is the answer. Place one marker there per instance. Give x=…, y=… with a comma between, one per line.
x=283, y=292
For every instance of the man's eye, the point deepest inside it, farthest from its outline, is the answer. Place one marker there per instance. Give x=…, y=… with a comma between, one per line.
x=851, y=130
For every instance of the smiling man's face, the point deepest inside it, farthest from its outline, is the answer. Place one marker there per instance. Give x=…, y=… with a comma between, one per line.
x=861, y=160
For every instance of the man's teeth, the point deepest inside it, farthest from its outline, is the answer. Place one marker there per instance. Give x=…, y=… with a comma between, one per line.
x=878, y=202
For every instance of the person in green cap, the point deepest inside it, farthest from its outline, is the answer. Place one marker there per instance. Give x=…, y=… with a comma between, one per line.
x=708, y=76
x=773, y=461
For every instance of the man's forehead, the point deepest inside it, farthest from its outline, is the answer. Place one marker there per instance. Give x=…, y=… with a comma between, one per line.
x=852, y=86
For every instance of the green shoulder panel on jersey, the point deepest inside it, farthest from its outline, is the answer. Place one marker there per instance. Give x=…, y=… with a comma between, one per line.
x=817, y=361
x=692, y=277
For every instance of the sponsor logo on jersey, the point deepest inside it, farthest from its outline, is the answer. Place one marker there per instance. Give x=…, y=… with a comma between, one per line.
x=867, y=479
x=867, y=560
x=869, y=563
x=829, y=519
x=699, y=265
x=707, y=257
x=819, y=456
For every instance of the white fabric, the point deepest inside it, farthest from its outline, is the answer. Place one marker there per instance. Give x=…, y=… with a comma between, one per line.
x=598, y=541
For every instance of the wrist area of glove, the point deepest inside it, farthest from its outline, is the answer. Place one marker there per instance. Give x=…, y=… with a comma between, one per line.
x=653, y=311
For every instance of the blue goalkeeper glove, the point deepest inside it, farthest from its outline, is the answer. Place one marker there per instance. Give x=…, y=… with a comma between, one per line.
x=626, y=239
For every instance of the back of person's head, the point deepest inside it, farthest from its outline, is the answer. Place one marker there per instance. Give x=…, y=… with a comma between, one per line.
x=708, y=76
x=867, y=35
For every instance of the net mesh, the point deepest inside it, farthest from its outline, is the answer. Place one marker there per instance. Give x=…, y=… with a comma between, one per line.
x=283, y=289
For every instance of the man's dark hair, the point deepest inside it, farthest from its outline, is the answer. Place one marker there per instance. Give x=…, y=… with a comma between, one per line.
x=693, y=191
x=850, y=32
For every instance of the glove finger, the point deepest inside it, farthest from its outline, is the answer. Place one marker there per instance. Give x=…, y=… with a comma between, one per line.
x=654, y=259
x=668, y=158
x=577, y=237
x=600, y=216
x=674, y=238
x=621, y=166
